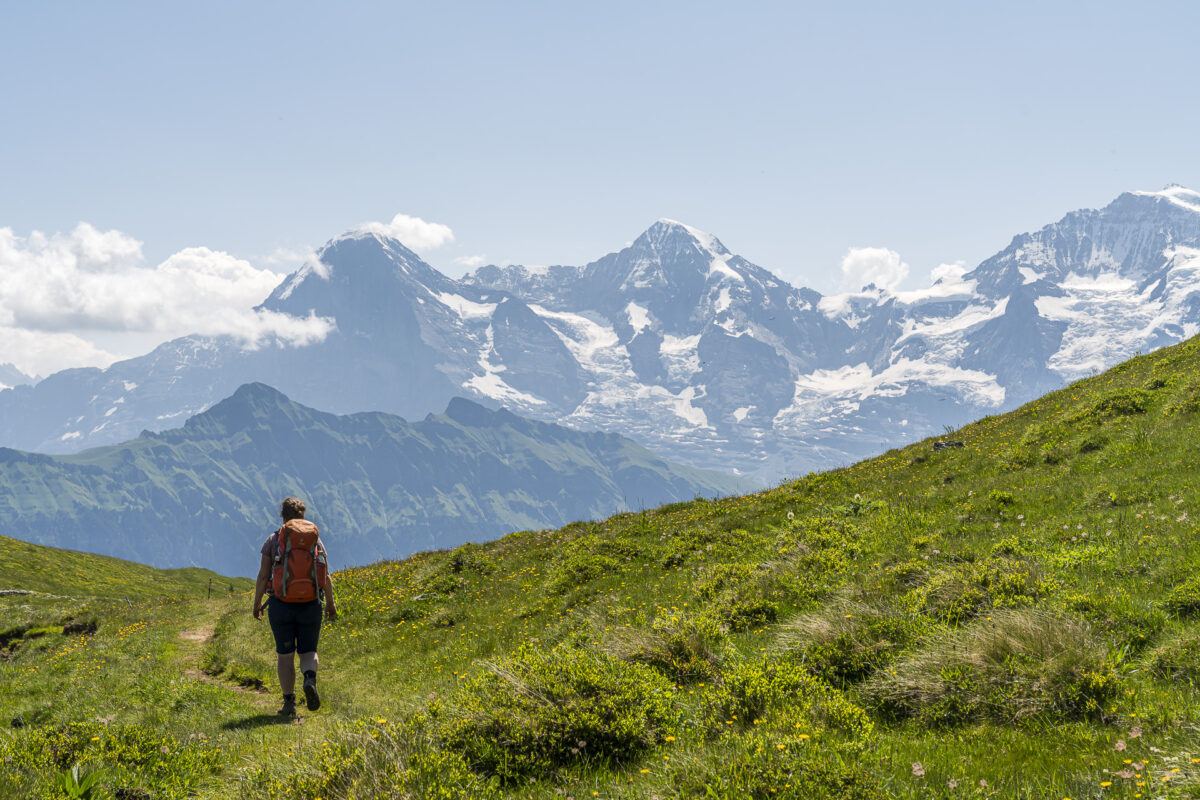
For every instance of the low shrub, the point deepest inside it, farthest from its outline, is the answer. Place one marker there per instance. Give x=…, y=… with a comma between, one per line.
x=1177, y=660
x=832, y=534
x=412, y=610
x=1014, y=667
x=957, y=595
x=1094, y=441
x=471, y=557
x=685, y=647
x=743, y=613
x=998, y=499
x=846, y=642
x=1184, y=599
x=1121, y=403
x=718, y=579
x=540, y=710
x=754, y=691
x=1130, y=625
x=580, y=568
x=1187, y=401
x=741, y=596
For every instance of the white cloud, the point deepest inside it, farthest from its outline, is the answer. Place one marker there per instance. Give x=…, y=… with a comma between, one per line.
x=413, y=232
x=288, y=257
x=471, y=262
x=878, y=265
x=40, y=353
x=56, y=289
x=948, y=273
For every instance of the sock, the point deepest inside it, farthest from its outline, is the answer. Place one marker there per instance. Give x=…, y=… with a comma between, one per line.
x=289, y=697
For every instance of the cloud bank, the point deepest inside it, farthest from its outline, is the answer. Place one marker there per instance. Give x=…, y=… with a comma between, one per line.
x=55, y=289
x=413, y=232
x=878, y=265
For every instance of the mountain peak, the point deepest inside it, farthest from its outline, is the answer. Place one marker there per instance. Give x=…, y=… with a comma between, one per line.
x=1177, y=195
x=354, y=270
x=666, y=230
x=370, y=239
x=246, y=407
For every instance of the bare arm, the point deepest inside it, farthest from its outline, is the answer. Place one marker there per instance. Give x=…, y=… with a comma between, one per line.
x=330, y=606
x=260, y=584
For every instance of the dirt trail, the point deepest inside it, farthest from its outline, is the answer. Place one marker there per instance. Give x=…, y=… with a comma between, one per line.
x=192, y=641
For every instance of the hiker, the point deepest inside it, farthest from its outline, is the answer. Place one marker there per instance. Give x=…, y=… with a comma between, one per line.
x=295, y=566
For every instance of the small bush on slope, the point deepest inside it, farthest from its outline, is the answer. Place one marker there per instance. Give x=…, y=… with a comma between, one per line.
x=685, y=647
x=1187, y=401
x=846, y=642
x=1178, y=659
x=1012, y=667
x=538, y=710
x=579, y=569
x=1184, y=599
x=960, y=594
x=755, y=692
x=1128, y=623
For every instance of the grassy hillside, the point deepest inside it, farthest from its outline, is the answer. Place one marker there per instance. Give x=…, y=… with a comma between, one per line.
x=378, y=486
x=49, y=570
x=1013, y=618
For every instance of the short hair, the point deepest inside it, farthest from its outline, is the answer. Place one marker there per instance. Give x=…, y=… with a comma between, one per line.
x=292, y=508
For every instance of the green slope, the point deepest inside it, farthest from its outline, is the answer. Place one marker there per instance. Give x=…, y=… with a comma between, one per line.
x=50, y=570
x=1017, y=617
x=380, y=487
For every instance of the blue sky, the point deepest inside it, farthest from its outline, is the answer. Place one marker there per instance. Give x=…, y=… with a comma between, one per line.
x=554, y=132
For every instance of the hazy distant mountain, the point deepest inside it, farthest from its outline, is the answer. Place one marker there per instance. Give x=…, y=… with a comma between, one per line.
x=11, y=376
x=677, y=342
x=208, y=493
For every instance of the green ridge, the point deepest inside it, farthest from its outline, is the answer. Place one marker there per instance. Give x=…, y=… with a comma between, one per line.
x=1013, y=618
x=50, y=570
x=379, y=486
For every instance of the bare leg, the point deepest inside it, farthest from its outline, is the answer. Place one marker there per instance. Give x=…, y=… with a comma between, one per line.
x=287, y=672
x=308, y=661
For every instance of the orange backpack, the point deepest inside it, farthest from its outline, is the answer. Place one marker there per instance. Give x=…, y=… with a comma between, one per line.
x=300, y=569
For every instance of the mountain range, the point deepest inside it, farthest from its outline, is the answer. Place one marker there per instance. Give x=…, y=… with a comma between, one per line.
x=676, y=342
x=208, y=493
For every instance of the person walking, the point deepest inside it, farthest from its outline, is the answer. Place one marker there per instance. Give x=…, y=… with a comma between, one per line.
x=294, y=571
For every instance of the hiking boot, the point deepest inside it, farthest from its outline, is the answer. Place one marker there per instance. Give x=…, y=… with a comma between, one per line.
x=310, y=690
x=289, y=706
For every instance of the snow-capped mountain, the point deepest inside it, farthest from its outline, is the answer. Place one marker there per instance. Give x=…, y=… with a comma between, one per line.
x=678, y=343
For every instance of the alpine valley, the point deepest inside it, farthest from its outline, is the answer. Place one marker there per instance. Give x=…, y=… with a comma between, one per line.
x=675, y=341
x=378, y=486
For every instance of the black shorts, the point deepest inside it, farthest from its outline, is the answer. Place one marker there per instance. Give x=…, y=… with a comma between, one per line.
x=296, y=626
